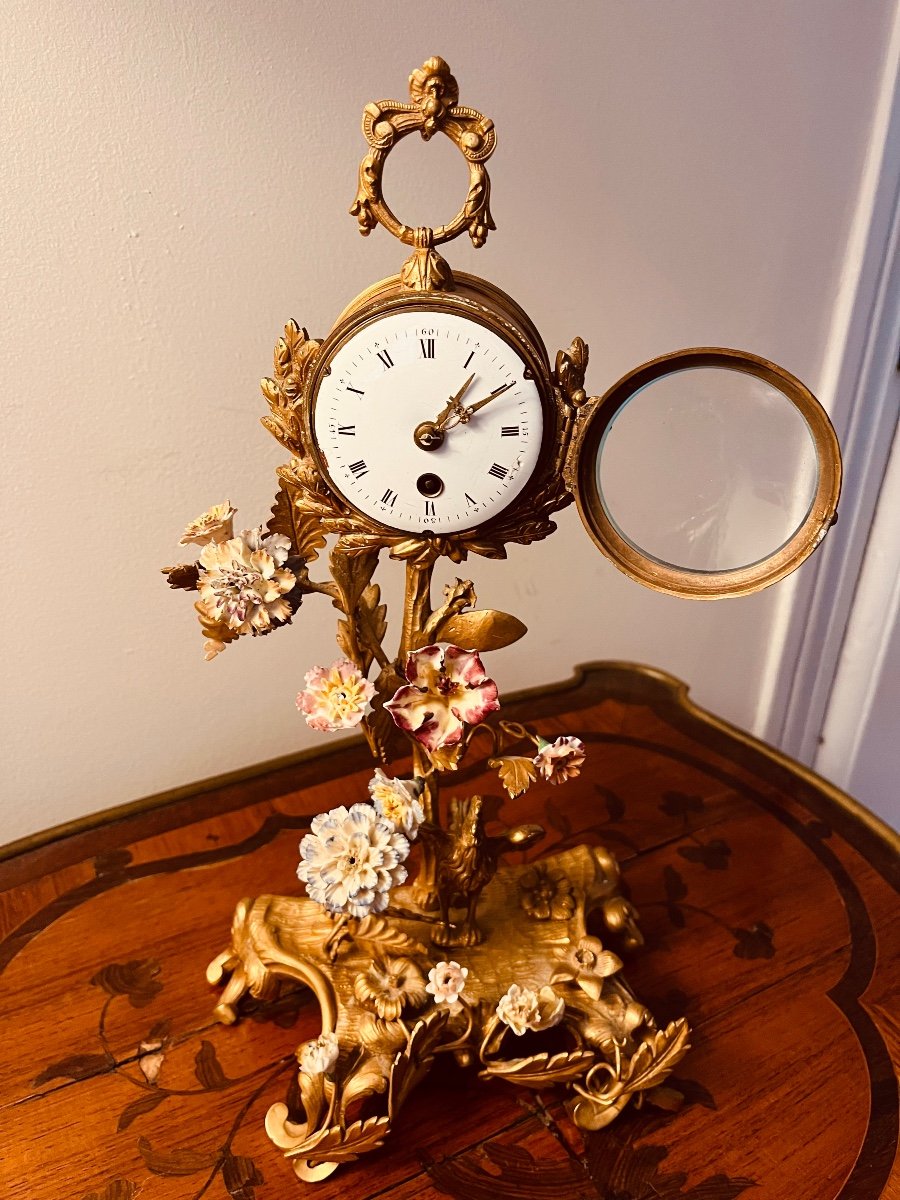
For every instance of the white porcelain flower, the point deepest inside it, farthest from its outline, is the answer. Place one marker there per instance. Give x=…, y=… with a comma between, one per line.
x=319, y=1057
x=523, y=1009
x=335, y=697
x=242, y=582
x=560, y=760
x=445, y=982
x=350, y=860
x=397, y=800
x=216, y=525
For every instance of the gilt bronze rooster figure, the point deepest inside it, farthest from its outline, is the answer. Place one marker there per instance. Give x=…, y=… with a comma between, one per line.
x=467, y=862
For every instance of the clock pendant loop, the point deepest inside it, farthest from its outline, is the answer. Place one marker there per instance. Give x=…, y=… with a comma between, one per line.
x=434, y=109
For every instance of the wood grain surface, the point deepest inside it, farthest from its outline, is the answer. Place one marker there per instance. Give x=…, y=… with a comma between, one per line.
x=769, y=905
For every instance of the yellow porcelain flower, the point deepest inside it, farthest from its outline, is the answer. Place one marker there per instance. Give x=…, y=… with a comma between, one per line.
x=397, y=800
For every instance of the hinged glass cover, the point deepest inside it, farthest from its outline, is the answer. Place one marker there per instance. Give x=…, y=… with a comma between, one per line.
x=708, y=473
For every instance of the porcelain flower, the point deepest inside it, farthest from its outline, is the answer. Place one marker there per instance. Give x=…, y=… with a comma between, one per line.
x=335, y=697
x=523, y=1009
x=242, y=582
x=397, y=800
x=560, y=760
x=390, y=985
x=445, y=982
x=319, y=1057
x=350, y=860
x=447, y=690
x=216, y=525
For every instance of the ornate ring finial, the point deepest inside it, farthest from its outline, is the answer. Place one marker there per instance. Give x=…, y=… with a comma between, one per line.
x=434, y=109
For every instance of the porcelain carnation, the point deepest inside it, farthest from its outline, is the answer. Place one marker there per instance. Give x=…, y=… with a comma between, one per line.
x=350, y=860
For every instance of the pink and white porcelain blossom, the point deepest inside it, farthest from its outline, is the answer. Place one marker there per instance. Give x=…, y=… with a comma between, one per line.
x=446, y=690
x=335, y=697
x=560, y=760
x=243, y=582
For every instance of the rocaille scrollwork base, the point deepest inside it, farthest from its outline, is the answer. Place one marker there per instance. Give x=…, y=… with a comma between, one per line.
x=587, y=1031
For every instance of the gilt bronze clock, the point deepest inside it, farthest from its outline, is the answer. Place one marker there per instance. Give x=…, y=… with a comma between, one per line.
x=431, y=424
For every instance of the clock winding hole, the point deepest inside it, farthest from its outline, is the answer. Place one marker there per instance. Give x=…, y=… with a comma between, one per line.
x=429, y=484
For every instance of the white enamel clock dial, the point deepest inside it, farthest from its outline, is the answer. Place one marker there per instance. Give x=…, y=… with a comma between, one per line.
x=400, y=371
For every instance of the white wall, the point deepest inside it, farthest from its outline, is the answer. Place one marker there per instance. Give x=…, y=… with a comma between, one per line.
x=860, y=747
x=175, y=187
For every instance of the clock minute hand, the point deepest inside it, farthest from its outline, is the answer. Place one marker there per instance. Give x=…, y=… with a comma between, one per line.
x=473, y=408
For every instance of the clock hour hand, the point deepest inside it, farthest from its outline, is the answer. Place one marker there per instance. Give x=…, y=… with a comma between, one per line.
x=430, y=434
x=453, y=407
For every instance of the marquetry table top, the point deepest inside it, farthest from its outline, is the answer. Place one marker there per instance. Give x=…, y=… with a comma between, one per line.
x=767, y=898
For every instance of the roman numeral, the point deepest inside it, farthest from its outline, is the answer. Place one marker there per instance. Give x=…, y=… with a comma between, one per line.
x=389, y=497
x=509, y=431
x=468, y=360
x=429, y=508
x=427, y=345
x=498, y=472
x=472, y=503
x=359, y=468
x=385, y=358
x=347, y=430
x=353, y=389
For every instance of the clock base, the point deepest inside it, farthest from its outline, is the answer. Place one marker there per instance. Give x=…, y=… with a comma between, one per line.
x=540, y=1001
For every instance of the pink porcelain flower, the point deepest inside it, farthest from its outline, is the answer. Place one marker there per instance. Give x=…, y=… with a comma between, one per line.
x=335, y=697
x=447, y=690
x=560, y=760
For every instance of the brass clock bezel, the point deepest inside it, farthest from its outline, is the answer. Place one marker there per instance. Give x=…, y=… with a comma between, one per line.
x=481, y=303
x=711, y=585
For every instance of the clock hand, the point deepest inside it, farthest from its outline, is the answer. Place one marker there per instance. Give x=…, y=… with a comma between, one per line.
x=453, y=407
x=430, y=434
x=473, y=408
